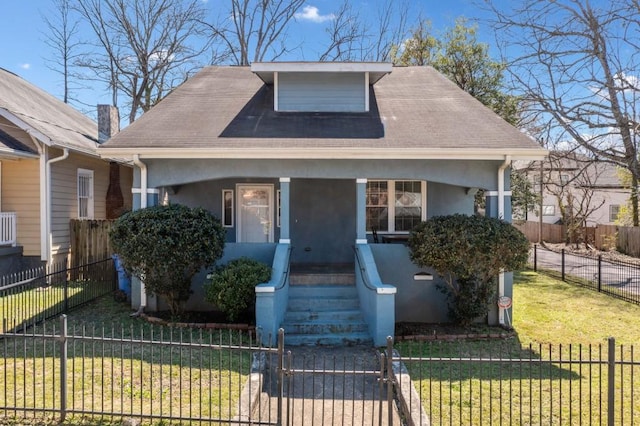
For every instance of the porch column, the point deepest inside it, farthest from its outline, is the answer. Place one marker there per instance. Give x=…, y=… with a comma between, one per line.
x=500, y=208
x=151, y=199
x=139, y=297
x=492, y=208
x=361, y=211
x=285, y=183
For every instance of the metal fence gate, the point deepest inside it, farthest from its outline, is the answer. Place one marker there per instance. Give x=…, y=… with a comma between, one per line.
x=339, y=385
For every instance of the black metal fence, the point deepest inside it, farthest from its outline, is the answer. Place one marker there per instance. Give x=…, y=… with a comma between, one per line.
x=34, y=295
x=103, y=374
x=465, y=383
x=614, y=277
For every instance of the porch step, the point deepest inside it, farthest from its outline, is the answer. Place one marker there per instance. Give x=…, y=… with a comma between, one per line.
x=322, y=274
x=324, y=315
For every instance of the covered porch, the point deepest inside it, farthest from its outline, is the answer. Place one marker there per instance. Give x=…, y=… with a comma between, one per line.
x=322, y=215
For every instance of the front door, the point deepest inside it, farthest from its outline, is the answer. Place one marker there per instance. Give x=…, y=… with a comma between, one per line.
x=255, y=214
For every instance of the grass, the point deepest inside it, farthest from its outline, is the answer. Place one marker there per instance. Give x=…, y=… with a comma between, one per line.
x=554, y=321
x=132, y=367
x=26, y=306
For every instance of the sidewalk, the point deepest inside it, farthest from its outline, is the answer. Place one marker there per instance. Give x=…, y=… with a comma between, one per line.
x=352, y=396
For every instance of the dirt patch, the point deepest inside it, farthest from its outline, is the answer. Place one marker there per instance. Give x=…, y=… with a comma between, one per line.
x=426, y=331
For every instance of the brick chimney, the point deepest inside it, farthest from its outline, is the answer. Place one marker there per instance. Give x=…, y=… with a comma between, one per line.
x=109, y=125
x=108, y=122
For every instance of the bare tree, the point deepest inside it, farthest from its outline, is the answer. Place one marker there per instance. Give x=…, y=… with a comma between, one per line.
x=145, y=47
x=575, y=64
x=62, y=37
x=346, y=33
x=572, y=178
x=253, y=30
x=390, y=32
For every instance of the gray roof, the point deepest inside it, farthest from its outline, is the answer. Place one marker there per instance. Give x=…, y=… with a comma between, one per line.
x=48, y=119
x=412, y=108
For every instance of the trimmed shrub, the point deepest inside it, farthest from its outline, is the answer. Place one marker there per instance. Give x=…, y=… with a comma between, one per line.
x=165, y=246
x=468, y=252
x=231, y=287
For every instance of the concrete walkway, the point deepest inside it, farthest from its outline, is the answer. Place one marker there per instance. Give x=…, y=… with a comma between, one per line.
x=313, y=395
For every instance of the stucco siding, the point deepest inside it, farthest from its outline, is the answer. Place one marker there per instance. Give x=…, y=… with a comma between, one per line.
x=334, y=92
x=464, y=173
x=21, y=194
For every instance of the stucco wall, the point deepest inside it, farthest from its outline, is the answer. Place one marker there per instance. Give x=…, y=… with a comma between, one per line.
x=323, y=224
x=464, y=173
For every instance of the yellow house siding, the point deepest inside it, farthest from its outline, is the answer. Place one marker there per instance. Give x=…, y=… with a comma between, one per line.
x=64, y=200
x=64, y=195
x=21, y=194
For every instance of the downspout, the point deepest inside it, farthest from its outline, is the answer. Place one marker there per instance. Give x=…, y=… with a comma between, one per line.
x=45, y=196
x=64, y=156
x=143, y=204
x=143, y=180
x=501, y=193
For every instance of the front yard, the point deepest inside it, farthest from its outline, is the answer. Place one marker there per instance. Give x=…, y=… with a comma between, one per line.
x=553, y=371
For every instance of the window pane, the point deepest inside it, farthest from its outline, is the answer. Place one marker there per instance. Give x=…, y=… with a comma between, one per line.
x=228, y=207
x=408, y=205
x=377, y=205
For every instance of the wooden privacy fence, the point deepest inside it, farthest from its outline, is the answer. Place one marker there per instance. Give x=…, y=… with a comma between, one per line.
x=89, y=240
x=603, y=237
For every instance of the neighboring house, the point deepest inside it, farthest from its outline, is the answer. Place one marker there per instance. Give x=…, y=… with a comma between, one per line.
x=319, y=158
x=590, y=190
x=50, y=173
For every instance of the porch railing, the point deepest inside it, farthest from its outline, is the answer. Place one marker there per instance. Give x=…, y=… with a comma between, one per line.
x=8, y=229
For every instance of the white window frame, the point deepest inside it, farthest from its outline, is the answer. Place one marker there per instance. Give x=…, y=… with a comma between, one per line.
x=278, y=209
x=391, y=206
x=85, y=173
x=224, y=209
x=548, y=210
x=611, y=207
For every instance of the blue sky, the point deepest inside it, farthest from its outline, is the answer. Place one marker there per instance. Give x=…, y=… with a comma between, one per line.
x=24, y=51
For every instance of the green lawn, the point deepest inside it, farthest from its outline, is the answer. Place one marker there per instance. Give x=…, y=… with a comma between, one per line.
x=133, y=374
x=554, y=321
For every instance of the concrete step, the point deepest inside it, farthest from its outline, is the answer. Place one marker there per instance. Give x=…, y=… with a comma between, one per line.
x=298, y=278
x=328, y=328
x=323, y=316
x=325, y=303
x=338, y=339
x=313, y=291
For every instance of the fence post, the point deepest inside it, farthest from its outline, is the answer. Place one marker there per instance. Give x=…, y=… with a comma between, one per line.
x=562, y=264
x=611, y=381
x=599, y=273
x=389, y=375
x=63, y=367
x=280, y=375
x=535, y=258
x=66, y=286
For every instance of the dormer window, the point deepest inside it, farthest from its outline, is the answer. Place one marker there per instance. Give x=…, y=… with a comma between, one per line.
x=321, y=86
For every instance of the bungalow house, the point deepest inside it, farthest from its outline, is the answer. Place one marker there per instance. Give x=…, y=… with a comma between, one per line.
x=50, y=172
x=312, y=167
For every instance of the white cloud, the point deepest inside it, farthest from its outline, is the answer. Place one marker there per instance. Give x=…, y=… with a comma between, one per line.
x=25, y=66
x=312, y=13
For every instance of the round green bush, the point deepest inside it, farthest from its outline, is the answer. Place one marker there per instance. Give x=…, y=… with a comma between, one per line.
x=468, y=252
x=165, y=246
x=231, y=287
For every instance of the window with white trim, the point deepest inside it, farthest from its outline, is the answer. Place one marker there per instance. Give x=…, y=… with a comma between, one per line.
x=85, y=194
x=227, y=208
x=614, y=212
x=548, y=210
x=395, y=205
